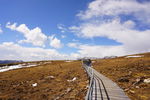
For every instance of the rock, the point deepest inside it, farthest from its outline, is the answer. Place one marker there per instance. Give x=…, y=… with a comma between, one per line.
x=130, y=73
x=87, y=86
x=137, y=87
x=123, y=79
x=75, y=78
x=147, y=80
x=57, y=98
x=49, y=77
x=126, y=89
x=68, y=90
x=93, y=61
x=138, y=81
x=131, y=91
x=34, y=85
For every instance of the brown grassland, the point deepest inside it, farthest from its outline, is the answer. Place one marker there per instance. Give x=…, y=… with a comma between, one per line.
x=52, y=84
x=129, y=74
x=17, y=84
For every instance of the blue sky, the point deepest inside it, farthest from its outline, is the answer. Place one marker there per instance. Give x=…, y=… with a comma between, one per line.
x=68, y=29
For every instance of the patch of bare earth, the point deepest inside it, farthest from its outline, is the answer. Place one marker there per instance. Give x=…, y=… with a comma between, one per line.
x=129, y=73
x=58, y=80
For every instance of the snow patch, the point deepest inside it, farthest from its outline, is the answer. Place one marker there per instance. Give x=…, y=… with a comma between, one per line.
x=47, y=62
x=7, y=68
x=134, y=56
x=68, y=61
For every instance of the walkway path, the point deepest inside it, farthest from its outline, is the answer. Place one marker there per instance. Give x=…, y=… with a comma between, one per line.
x=102, y=88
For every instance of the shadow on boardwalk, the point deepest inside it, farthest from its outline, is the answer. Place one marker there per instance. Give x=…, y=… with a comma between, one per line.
x=101, y=87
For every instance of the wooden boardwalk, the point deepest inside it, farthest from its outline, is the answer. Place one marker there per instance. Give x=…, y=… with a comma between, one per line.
x=102, y=88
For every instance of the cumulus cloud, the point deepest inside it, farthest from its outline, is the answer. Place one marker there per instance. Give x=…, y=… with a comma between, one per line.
x=55, y=42
x=73, y=45
x=12, y=51
x=126, y=32
x=131, y=39
x=117, y=7
x=34, y=36
x=100, y=51
x=86, y=50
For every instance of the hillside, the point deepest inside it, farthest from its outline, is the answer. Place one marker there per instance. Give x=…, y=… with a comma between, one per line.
x=132, y=73
x=9, y=62
x=63, y=80
x=52, y=81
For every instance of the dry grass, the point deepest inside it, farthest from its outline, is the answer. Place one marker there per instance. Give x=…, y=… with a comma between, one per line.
x=17, y=84
x=131, y=69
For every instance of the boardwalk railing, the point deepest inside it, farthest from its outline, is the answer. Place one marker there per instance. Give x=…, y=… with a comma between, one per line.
x=89, y=93
x=101, y=87
x=91, y=79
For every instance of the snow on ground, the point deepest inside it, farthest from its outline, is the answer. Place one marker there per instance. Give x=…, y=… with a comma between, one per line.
x=68, y=61
x=47, y=62
x=7, y=68
x=134, y=56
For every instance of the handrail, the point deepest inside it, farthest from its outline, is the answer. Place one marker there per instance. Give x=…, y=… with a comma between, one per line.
x=89, y=93
x=90, y=74
x=98, y=89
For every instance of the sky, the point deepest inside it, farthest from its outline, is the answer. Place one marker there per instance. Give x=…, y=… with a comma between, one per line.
x=32, y=30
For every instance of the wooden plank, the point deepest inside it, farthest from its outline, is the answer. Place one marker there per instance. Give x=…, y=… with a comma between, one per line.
x=113, y=90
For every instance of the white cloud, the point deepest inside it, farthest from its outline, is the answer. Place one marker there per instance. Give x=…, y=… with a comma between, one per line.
x=55, y=42
x=117, y=7
x=74, y=40
x=62, y=28
x=12, y=51
x=125, y=32
x=73, y=45
x=131, y=39
x=86, y=50
x=1, y=29
x=100, y=51
x=34, y=36
x=75, y=55
x=63, y=36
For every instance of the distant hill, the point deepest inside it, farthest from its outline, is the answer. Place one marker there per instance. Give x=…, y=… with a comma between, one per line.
x=10, y=61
